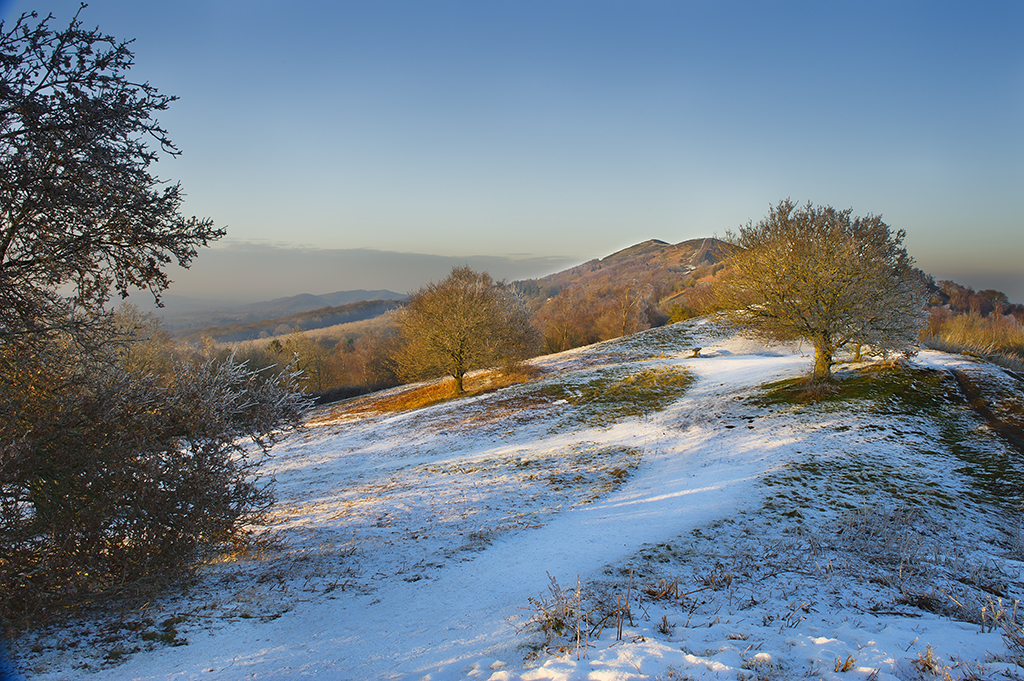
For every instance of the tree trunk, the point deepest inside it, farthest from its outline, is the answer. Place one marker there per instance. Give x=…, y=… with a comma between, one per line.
x=458, y=384
x=822, y=362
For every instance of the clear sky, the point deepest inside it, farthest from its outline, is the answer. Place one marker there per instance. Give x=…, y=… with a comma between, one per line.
x=543, y=133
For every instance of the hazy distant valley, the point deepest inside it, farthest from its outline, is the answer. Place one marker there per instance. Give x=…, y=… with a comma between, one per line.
x=669, y=269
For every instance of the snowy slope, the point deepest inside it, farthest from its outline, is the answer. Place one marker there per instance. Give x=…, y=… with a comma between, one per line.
x=750, y=539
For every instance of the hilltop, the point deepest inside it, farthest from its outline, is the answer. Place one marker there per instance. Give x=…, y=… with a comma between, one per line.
x=669, y=268
x=718, y=524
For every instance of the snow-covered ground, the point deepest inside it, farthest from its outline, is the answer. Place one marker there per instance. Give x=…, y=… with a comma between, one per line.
x=728, y=535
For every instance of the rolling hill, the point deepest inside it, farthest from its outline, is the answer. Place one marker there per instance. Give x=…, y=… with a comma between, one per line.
x=192, y=320
x=669, y=268
x=635, y=512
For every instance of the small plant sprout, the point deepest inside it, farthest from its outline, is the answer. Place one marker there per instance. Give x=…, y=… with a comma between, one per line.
x=845, y=666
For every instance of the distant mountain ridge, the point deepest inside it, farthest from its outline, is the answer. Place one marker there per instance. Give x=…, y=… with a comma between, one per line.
x=668, y=269
x=272, y=309
x=304, y=302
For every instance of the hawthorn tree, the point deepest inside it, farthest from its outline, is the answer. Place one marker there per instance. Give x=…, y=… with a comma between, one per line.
x=117, y=463
x=466, y=321
x=823, y=275
x=80, y=211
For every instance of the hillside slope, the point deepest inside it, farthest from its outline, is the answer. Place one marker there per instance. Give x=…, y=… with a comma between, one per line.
x=667, y=267
x=751, y=536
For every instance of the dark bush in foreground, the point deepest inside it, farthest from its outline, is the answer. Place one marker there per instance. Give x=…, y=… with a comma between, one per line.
x=109, y=478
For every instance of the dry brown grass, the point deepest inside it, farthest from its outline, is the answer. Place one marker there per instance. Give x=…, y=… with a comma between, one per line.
x=424, y=395
x=999, y=340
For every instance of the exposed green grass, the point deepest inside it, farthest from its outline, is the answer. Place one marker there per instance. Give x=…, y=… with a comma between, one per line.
x=851, y=481
x=994, y=467
x=609, y=396
x=998, y=469
x=892, y=389
x=661, y=341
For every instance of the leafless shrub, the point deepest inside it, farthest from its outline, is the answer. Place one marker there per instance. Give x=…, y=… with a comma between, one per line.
x=110, y=478
x=562, y=618
x=568, y=619
x=929, y=665
x=718, y=578
x=673, y=674
x=1013, y=637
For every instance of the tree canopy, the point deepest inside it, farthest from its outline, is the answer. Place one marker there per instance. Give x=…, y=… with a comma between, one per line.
x=80, y=212
x=466, y=321
x=823, y=275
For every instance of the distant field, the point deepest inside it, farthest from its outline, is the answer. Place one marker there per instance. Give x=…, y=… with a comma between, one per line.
x=328, y=334
x=319, y=319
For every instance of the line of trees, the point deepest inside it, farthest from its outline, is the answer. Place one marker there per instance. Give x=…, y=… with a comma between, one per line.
x=579, y=316
x=824, y=275
x=959, y=299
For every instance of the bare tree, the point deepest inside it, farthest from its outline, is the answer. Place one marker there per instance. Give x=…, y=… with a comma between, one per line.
x=567, y=320
x=820, y=274
x=80, y=211
x=142, y=344
x=625, y=309
x=118, y=462
x=319, y=364
x=466, y=321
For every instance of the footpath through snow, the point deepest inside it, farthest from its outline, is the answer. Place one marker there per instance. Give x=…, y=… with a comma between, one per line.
x=749, y=539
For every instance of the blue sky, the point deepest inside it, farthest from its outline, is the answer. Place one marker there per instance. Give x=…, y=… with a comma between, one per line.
x=541, y=134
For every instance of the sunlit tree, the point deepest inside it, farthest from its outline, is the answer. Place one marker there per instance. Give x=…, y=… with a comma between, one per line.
x=466, y=321
x=823, y=275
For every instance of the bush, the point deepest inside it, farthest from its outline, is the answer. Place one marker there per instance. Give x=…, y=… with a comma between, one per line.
x=109, y=478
